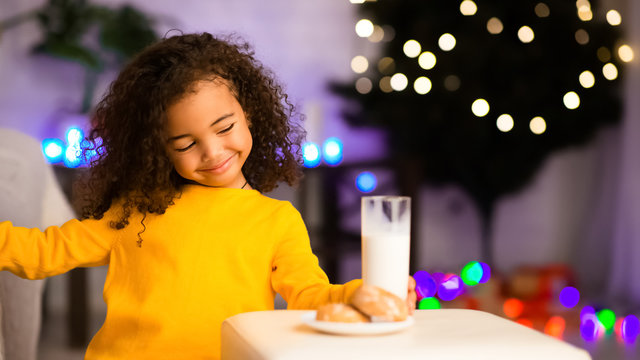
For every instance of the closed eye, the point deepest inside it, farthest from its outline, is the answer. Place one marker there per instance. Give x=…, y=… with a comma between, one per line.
x=227, y=129
x=186, y=148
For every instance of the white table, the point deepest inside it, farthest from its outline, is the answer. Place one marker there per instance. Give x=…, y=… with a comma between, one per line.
x=447, y=334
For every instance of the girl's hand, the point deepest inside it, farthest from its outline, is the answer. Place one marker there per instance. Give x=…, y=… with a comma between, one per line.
x=411, y=295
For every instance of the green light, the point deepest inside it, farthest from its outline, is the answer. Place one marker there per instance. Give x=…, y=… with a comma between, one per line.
x=472, y=273
x=429, y=303
x=607, y=318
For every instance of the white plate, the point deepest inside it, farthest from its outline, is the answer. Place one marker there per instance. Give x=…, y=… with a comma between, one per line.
x=373, y=328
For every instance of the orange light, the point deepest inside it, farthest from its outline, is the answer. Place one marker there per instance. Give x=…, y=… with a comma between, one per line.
x=555, y=326
x=526, y=322
x=512, y=308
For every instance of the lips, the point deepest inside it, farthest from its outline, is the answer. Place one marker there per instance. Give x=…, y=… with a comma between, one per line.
x=220, y=167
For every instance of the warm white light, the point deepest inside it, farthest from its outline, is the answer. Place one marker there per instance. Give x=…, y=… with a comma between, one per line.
x=504, y=123
x=542, y=10
x=422, y=85
x=427, y=60
x=610, y=71
x=452, y=83
x=480, y=107
x=625, y=52
x=614, y=18
x=357, y=1
x=364, y=28
x=412, y=48
x=468, y=8
x=385, y=84
x=377, y=35
x=389, y=33
x=525, y=34
x=364, y=85
x=494, y=26
x=587, y=80
x=447, y=42
x=582, y=36
x=359, y=64
x=604, y=54
x=399, y=82
x=537, y=125
x=571, y=100
x=584, y=13
x=386, y=65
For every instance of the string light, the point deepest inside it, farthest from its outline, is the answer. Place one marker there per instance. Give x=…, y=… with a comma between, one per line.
x=377, y=35
x=386, y=65
x=610, y=71
x=537, y=125
x=364, y=28
x=412, y=48
x=385, y=84
x=582, y=37
x=53, y=150
x=332, y=151
x=525, y=34
x=542, y=10
x=480, y=107
x=468, y=8
x=427, y=60
x=571, y=100
x=587, y=80
x=359, y=64
x=494, y=26
x=604, y=54
x=452, y=83
x=422, y=85
x=399, y=82
x=364, y=85
x=625, y=52
x=569, y=297
x=614, y=18
x=366, y=182
x=311, y=155
x=505, y=123
x=447, y=42
x=512, y=308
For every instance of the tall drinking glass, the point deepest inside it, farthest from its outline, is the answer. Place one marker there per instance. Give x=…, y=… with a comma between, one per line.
x=386, y=224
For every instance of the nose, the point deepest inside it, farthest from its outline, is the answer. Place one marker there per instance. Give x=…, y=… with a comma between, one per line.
x=211, y=150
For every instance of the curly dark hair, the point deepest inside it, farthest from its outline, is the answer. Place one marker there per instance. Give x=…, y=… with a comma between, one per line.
x=128, y=126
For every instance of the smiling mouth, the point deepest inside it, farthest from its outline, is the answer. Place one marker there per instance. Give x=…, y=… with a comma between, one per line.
x=220, y=166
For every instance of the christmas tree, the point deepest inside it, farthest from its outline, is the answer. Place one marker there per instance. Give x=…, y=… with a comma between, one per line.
x=480, y=93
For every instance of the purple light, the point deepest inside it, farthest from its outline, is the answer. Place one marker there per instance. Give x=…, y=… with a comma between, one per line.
x=425, y=284
x=450, y=287
x=569, y=297
x=486, y=273
x=589, y=329
x=630, y=328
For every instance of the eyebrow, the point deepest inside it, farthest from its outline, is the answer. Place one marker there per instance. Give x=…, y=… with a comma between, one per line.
x=221, y=118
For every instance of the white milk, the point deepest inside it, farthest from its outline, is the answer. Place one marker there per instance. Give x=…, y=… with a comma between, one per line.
x=385, y=261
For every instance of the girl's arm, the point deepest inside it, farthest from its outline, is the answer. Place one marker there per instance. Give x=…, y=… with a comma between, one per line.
x=296, y=274
x=36, y=254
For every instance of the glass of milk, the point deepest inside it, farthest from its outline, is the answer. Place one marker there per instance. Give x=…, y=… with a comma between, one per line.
x=386, y=224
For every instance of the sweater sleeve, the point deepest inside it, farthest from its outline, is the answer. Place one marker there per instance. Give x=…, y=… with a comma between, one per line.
x=296, y=274
x=36, y=254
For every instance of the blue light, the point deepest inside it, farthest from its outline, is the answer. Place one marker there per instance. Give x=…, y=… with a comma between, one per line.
x=332, y=150
x=74, y=136
x=72, y=156
x=53, y=149
x=311, y=154
x=630, y=328
x=425, y=284
x=366, y=182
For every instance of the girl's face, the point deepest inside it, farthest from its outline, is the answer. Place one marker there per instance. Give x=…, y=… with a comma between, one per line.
x=209, y=138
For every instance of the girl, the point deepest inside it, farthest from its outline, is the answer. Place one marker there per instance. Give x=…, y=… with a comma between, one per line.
x=190, y=134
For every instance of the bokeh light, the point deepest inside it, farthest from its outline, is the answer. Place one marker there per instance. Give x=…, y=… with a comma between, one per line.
x=604, y=54
x=332, y=151
x=422, y=85
x=614, y=18
x=425, y=284
x=480, y=107
x=468, y=8
x=537, y=125
x=74, y=136
x=587, y=80
x=399, y=82
x=427, y=60
x=364, y=85
x=542, y=10
x=526, y=322
x=486, y=273
x=625, y=52
x=471, y=273
x=607, y=318
x=582, y=37
x=610, y=71
x=377, y=35
x=311, y=154
x=630, y=328
x=494, y=26
x=452, y=82
x=359, y=64
x=72, y=156
x=505, y=123
x=386, y=65
x=447, y=42
x=571, y=100
x=526, y=34
x=584, y=10
x=569, y=297
x=53, y=150
x=385, y=84
x=429, y=303
x=364, y=28
x=411, y=48
x=513, y=307
x=450, y=287
x=366, y=182
x=555, y=326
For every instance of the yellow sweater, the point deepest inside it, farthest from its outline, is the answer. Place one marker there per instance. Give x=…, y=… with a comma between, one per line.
x=213, y=254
